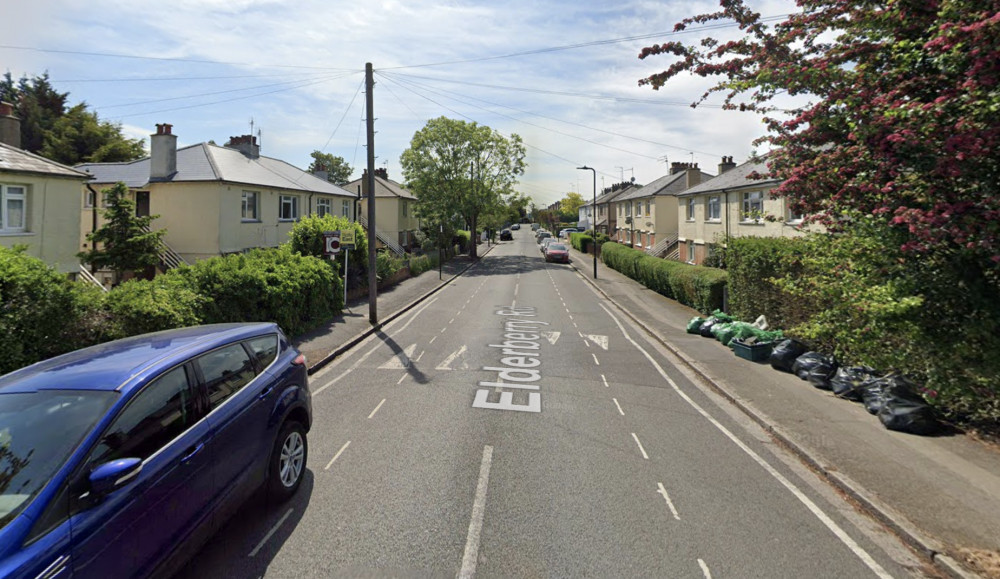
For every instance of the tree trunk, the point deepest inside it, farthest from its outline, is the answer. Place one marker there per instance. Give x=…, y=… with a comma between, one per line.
x=473, y=253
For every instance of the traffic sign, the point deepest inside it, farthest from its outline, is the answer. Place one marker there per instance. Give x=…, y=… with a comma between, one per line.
x=331, y=242
x=347, y=239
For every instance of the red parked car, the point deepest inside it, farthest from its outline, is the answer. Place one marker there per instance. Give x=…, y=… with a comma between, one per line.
x=557, y=252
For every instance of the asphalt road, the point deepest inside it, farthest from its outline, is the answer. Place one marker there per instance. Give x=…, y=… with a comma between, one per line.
x=598, y=456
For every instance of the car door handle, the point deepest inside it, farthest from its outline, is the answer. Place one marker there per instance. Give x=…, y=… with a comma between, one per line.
x=192, y=452
x=265, y=393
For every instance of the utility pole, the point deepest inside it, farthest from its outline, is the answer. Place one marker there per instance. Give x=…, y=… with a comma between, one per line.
x=370, y=181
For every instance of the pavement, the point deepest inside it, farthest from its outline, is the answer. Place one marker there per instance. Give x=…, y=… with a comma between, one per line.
x=939, y=494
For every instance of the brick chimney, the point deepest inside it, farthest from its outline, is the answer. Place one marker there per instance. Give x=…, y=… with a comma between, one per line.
x=10, y=126
x=382, y=172
x=726, y=164
x=246, y=144
x=163, y=153
x=692, y=176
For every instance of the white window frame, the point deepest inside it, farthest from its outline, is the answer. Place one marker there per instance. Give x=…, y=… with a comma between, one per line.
x=254, y=196
x=288, y=207
x=790, y=216
x=690, y=208
x=88, y=199
x=324, y=206
x=753, y=202
x=8, y=195
x=713, y=208
x=648, y=207
x=690, y=252
x=345, y=209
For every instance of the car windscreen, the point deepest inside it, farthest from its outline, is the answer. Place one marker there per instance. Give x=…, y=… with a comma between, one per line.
x=557, y=247
x=38, y=432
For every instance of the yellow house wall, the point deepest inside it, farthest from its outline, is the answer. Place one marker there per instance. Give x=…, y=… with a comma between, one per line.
x=52, y=220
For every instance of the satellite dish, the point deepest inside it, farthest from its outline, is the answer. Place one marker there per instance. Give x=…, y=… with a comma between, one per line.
x=633, y=179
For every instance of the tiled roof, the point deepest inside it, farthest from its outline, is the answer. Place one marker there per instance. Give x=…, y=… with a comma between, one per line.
x=734, y=178
x=206, y=162
x=383, y=188
x=15, y=160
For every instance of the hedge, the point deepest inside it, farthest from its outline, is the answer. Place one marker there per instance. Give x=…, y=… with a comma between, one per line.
x=696, y=286
x=141, y=306
x=753, y=265
x=280, y=285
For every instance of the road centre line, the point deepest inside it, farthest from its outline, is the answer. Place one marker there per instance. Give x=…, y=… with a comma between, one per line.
x=401, y=378
x=443, y=329
x=336, y=456
x=704, y=569
x=596, y=361
x=376, y=408
x=620, y=411
x=798, y=494
x=432, y=340
x=269, y=533
x=670, y=503
x=641, y=449
x=361, y=360
x=469, y=559
x=422, y=352
x=605, y=380
x=586, y=343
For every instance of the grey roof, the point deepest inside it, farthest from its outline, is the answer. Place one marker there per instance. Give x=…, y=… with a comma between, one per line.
x=734, y=178
x=614, y=195
x=14, y=160
x=207, y=162
x=384, y=188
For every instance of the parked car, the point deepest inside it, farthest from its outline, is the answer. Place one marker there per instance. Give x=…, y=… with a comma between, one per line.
x=564, y=233
x=541, y=234
x=506, y=235
x=557, y=252
x=121, y=459
x=534, y=227
x=545, y=243
x=515, y=227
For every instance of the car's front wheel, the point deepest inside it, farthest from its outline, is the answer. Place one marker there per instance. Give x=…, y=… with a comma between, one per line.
x=288, y=461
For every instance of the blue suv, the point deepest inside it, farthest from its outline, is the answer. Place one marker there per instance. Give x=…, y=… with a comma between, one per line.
x=121, y=459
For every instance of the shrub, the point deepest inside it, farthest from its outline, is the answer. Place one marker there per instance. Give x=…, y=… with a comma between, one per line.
x=753, y=264
x=581, y=241
x=42, y=312
x=141, y=306
x=695, y=286
x=280, y=285
x=387, y=264
x=463, y=239
x=306, y=237
x=420, y=264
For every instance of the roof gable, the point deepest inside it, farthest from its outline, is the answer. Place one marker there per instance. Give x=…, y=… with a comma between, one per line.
x=15, y=160
x=735, y=178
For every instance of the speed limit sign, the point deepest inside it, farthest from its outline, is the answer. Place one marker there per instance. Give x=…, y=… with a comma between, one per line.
x=331, y=242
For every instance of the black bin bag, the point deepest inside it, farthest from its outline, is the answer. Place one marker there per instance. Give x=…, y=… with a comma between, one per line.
x=706, y=327
x=820, y=374
x=847, y=382
x=906, y=411
x=806, y=362
x=784, y=354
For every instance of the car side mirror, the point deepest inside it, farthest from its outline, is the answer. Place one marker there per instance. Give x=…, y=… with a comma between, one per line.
x=113, y=475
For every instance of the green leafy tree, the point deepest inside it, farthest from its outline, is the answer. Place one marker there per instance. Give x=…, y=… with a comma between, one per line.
x=570, y=205
x=461, y=169
x=126, y=242
x=338, y=171
x=69, y=136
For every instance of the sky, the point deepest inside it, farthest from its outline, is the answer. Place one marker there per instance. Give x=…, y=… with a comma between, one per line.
x=561, y=74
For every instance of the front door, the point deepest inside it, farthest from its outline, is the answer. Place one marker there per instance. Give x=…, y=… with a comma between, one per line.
x=142, y=203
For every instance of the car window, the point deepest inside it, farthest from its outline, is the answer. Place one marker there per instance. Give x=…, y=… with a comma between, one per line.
x=38, y=432
x=225, y=371
x=161, y=412
x=265, y=349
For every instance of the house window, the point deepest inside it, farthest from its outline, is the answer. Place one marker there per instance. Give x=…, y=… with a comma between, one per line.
x=249, y=206
x=792, y=216
x=288, y=208
x=712, y=208
x=12, y=202
x=88, y=199
x=647, y=207
x=345, y=209
x=404, y=208
x=324, y=207
x=753, y=207
x=690, y=209
x=690, y=258
x=106, y=197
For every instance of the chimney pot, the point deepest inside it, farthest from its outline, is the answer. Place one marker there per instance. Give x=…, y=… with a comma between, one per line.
x=10, y=126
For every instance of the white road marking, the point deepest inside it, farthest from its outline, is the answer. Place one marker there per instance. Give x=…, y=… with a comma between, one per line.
x=370, y=352
x=336, y=456
x=269, y=533
x=670, y=503
x=571, y=317
x=601, y=341
x=809, y=504
x=401, y=378
x=575, y=326
x=432, y=340
x=446, y=364
x=376, y=408
x=471, y=556
x=596, y=361
x=443, y=329
x=620, y=411
x=400, y=360
x=451, y=321
x=704, y=569
x=552, y=337
x=422, y=352
x=641, y=449
x=586, y=343
x=605, y=380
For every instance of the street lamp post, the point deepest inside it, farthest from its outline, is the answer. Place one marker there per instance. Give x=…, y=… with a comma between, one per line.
x=593, y=225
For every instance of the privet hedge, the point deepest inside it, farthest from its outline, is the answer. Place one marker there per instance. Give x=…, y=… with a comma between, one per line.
x=753, y=265
x=692, y=285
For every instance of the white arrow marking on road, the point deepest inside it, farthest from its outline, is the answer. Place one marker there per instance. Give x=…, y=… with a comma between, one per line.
x=401, y=360
x=446, y=365
x=601, y=341
x=552, y=337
